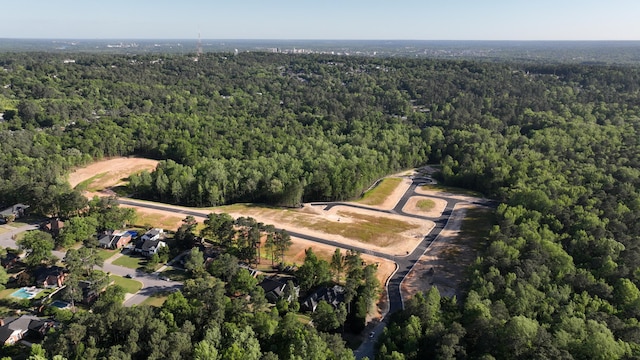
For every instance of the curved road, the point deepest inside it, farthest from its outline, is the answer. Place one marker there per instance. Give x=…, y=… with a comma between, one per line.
x=404, y=263
x=152, y=283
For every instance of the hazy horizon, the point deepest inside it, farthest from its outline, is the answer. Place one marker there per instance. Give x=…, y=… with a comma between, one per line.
x=462, y=20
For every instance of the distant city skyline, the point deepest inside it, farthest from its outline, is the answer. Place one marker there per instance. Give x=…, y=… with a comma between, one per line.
x=329, y=19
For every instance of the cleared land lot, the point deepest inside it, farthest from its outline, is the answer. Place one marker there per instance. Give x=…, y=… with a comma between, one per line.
x=389, y=233
x=108, y=173
x=393, y=234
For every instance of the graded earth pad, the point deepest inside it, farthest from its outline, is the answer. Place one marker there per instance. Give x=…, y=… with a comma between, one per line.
x=108, y=173
x=444, y=262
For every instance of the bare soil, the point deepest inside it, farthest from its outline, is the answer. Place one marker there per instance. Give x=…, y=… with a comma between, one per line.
x=444, y=262
x=115, y=171
x=445, y=255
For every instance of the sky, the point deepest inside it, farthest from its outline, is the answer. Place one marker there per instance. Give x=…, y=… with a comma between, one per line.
x=323, y=19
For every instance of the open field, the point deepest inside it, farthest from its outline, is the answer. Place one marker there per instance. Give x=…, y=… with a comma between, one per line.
x=434, y=188
x=380, y=193
x=107, y=173
x=431, y=207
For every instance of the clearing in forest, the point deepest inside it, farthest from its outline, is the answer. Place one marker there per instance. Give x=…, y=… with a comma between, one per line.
x=104, y=174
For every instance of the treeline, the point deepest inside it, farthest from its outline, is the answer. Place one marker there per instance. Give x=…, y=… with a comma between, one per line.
x=198, y=322
x=559, y=275
x=254, y=127
x=558, y=144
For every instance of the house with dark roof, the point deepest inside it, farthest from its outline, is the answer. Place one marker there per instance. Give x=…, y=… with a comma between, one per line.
x=15, y=329
x=332, y=295
x=274, y=288
x=53, y=276
x=10, y=260
x=114, y=239
x=149, y=247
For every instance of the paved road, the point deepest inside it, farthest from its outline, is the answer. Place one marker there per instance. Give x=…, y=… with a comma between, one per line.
x=404, y=262
x=152, y=283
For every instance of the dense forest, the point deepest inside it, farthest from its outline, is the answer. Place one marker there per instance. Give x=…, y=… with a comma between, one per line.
x=558, y=145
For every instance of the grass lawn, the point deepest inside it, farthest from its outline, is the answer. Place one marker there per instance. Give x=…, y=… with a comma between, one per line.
x=155, y=300
x=131, y=286
x=86, y=185
x=175, y=274
x=104, y=254
x=425, y=204
x=5, y=294
x=381, y=192
x=144, y=219
x=451, y=190
x=129, y=262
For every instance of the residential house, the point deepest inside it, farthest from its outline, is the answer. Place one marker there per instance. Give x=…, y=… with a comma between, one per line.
x=149, y=247
x=150, y=242
x=13, y=212
x=89, y=295
x=274, y=288
x=153, y=234
x=53, y=276
x=10, y=260
x=15, y=329
x=332, y=295
x=52, y=226
x=89, y=292
x=114, y=239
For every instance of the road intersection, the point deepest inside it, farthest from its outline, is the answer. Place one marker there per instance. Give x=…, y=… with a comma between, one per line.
x=153, y=283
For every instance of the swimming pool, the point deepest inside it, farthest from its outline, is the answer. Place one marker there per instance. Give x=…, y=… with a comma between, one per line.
x=60, y=304
x=25, y=293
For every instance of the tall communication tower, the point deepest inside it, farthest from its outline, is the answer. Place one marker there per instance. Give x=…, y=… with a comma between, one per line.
x=199, y=51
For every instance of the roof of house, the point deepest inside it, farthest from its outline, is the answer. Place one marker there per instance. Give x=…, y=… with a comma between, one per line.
x=332, y=295
x=153, y=232
x=54, y=224
x=5, y=334
x=110, y=238
x=21, y=324
x=149, y=244
x=272, y=284
x=13, y=209
x=42, y=273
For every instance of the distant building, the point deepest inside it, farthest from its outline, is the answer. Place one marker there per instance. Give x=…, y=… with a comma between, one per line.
x=274, y=288
x=152, y=234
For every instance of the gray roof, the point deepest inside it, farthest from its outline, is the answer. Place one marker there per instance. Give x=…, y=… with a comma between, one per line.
x=12, y=210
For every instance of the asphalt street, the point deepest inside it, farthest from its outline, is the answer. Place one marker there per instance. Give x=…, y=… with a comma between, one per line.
x=153, y=283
